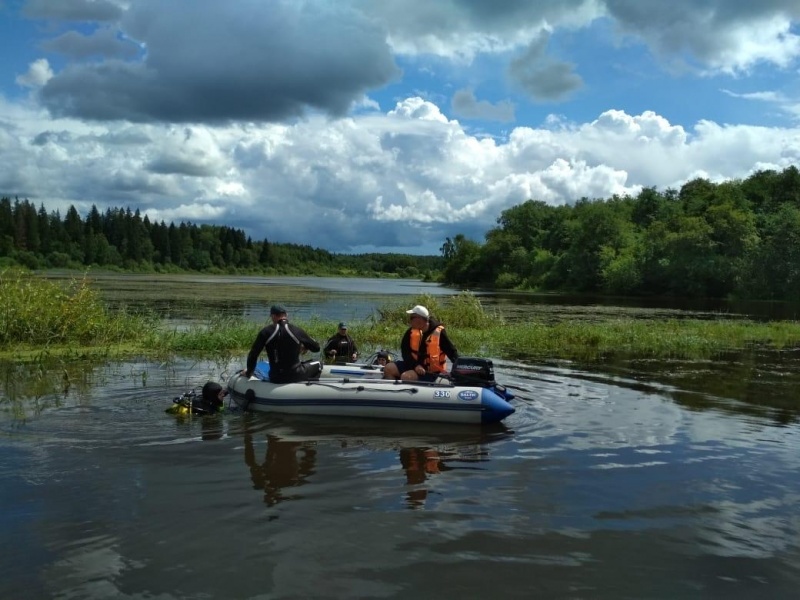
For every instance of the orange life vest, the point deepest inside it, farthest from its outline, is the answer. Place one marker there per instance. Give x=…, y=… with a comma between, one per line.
x=435, y=359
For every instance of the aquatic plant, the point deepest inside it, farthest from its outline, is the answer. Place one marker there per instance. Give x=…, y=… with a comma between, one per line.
x=463, y=310
x=35, y=312
x=41, y=319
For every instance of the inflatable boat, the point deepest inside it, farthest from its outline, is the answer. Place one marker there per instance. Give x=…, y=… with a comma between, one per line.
x=470, y=395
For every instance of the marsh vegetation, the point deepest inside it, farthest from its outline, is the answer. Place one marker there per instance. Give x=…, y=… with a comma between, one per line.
x=69, y=319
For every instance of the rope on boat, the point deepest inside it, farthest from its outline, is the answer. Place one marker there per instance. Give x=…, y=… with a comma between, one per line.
x=362, y=388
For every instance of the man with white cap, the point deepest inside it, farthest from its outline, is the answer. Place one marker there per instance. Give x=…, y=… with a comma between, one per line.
x=425, y=348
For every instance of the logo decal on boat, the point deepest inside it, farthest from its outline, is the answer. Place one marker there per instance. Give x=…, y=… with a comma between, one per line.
x=468, y=395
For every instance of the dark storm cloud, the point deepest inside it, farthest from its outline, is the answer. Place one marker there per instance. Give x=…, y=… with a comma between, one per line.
x=542, y=77
x=134, y=186
x=179, y=166
x=706, y=30
x=466, y=105
x=425, y=18
x=46, y=137
x=512, y=10
x=248, y=60
x=103, y=42
x=719, y=13
x=72, y=10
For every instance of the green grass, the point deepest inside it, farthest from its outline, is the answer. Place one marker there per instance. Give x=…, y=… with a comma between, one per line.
x=41, y=319
x=42, y=314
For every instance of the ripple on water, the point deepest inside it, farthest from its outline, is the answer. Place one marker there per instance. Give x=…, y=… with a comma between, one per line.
x=620, y=473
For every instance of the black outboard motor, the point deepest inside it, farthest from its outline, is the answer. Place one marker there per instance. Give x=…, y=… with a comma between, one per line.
x=468, y=370
x=472, y=371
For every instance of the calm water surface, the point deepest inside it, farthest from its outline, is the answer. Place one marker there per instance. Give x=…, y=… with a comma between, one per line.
x=638, y=479
x=191, y=298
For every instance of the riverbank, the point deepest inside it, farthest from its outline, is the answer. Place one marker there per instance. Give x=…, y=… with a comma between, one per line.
x=44, y=319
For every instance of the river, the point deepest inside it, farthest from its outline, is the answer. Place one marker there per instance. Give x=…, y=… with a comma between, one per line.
x=631, y=479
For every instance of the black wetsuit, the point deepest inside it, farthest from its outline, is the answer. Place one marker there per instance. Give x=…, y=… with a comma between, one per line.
x=282, y=341
x=344, y=346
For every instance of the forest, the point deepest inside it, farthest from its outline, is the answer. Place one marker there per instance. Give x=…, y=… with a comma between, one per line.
x=736, y=239
x=120, y=239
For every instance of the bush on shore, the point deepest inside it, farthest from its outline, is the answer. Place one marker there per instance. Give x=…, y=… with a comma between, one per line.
x=37, y=312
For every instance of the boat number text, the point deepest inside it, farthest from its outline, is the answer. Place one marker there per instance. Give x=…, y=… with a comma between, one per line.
x=441, y=394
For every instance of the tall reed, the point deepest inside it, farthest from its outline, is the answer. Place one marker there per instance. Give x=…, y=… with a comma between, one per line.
x=35, y=312
x=39, y=318
x=463, y=310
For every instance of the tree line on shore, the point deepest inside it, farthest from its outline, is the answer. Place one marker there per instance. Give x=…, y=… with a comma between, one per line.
x=121, y=239
x=738, y=238
x=734, y=239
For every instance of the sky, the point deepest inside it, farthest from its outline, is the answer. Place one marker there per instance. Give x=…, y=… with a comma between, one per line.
x=364, y=125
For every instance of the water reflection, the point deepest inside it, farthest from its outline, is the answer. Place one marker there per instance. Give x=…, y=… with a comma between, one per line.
x=758, y=383
x=212, y=427
x=285, y=465
x=354, y=298
x=588, y=306
x=189, y=298
x=609, y=485
x=422, y=464
x=419, y=464
x=421, y=451
x=27, y=389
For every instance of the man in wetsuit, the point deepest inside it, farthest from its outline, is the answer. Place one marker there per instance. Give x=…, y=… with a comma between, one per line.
x=284, y=343
x=341, y=348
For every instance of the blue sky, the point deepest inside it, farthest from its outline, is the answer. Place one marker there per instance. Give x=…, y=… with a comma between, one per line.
x=357, y=125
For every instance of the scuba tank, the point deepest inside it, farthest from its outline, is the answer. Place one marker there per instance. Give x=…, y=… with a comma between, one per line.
x=208, y=402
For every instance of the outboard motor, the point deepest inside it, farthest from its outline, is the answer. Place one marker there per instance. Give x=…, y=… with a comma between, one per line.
x=469, y=370
x=472, y=371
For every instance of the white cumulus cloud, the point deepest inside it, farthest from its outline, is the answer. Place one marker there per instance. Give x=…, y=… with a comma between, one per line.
x=38, y=74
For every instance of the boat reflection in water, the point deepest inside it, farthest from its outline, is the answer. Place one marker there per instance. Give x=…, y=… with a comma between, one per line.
x=297, y=450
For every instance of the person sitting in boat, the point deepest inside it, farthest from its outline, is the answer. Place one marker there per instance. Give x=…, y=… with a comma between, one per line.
x=424, y=347
x=284, y=343
x=341, y=348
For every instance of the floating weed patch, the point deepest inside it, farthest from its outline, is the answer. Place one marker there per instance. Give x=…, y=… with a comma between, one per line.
x=641, y=338
x=564, y=340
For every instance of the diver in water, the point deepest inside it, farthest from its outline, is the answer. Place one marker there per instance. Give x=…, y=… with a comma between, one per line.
x=209, y=402
x=382, y=358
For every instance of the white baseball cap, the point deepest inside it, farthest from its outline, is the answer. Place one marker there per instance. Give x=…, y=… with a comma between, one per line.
x=419, y=310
